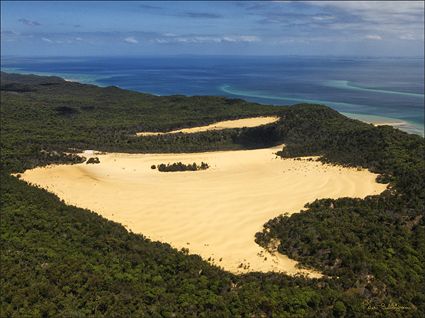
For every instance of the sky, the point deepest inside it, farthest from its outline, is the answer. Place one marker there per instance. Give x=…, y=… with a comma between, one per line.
x=136, y=28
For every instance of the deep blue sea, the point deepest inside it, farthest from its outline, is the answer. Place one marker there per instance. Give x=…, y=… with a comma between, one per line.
x=387, y=90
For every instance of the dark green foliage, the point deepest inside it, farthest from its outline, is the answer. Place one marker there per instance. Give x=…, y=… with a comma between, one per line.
x=375, y=246
x=66, y=111
x=179, y=166
x=66, y=116
x=93, y=160
x=62, y=261
x=203, y=166
x=260, y=137
x=16, y=87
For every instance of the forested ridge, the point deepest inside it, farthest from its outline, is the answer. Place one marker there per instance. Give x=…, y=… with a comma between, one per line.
x=63, y=261
x=50, y=114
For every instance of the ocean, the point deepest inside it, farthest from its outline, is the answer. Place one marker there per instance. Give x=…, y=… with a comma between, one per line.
x=385, y=90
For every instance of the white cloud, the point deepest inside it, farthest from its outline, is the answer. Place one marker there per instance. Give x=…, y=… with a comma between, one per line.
x=323, y=17
x=374, y=37
x=78, y=39
x=9, y=32
x=160, y=41
x=408, y=36
x=249, y=38
x=195, y=39
x=228, y=39
x=29, y=22
x=47, y=40
x=209, y=39
x=393, y=18
x=131, y=40
x=375, y=8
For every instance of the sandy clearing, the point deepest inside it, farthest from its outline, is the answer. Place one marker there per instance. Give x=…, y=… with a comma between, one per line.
x=214, y=213
x=237, y=123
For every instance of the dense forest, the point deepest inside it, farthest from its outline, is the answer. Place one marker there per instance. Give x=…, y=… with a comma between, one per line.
x=62, y=261
x=50, y=115
x=375, y=246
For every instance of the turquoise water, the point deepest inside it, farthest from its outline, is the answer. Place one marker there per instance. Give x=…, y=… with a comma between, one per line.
x=370, y=89
x=408, y=126
x=349, y=85
x=288, y=100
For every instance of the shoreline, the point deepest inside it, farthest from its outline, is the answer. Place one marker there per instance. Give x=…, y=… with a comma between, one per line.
x=377, y=120
x=68, y=77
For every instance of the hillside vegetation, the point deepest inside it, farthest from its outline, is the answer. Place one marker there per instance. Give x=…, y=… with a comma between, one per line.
x=50, y=114
x=62, y=261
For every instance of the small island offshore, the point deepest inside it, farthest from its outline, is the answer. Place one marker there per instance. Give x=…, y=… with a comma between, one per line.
x=305, y=213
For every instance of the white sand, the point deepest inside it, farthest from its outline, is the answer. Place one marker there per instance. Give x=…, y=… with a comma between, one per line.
x=214, y=213
x=237, y=123
x=394, y=124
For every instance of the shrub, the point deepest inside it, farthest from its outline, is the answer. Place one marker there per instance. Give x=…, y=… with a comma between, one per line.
x=93, y=160
x=179, y=166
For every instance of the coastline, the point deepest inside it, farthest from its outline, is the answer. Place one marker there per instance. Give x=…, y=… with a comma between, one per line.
x=69, y=77
x=404, y=125
x=377, y=120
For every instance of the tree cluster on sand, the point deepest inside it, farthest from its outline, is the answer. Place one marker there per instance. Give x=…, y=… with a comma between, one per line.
x=179, y=166
x=93, y=160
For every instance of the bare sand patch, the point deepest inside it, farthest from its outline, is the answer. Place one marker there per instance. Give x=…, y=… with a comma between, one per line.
x=215, y=212
x=394, y=124
x=237, y=123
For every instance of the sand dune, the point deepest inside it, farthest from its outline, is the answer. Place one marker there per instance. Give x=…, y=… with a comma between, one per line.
x=214, y=213
x=237, y=123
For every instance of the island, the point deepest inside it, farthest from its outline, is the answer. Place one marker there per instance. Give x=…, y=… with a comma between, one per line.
x=310, y=213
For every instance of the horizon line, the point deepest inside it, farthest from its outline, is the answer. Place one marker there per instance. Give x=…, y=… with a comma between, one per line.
x=212, y=55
